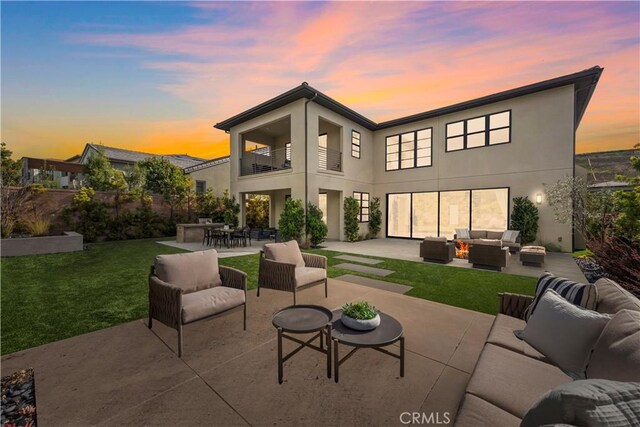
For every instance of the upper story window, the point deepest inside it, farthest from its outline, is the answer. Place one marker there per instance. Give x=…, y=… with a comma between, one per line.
x=491, y=129
x=363, y=201
x=287, y=151
x=355, y=144
x=201, y=187
x=408, y=150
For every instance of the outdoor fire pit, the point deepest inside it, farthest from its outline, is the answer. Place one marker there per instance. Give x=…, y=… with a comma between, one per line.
x=462, y=249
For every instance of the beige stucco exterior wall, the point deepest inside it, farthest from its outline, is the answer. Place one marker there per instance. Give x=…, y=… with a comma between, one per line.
x=217, y=177
x=541, y=151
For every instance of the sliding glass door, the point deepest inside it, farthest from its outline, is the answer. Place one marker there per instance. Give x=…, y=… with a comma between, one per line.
x=416, y=215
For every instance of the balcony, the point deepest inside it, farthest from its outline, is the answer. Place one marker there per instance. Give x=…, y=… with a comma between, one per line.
x=263, y=161
x=330, y=160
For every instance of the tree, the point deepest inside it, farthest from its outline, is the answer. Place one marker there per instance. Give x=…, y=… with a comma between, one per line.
x=291, y=222
x=375, y=217
x=257, y=211
x=627, y=204
x=351, y=211
x=231, y=209
x=208, y=205
x=316, y=228
x=101, y=176
x=163, y=177
x=524, y=218
x=11, y=169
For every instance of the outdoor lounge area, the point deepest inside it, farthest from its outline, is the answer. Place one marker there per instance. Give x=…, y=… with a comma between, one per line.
x=130, y=375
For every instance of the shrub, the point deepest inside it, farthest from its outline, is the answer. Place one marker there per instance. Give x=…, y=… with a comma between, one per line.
x=88, y=215
x=257, y=212
x=291, y=222
x=524, y=218
x=231, y=209
x=360, y=310
x=351, y=210
x=37, y=226
x=620, y=259
x=375, y=218
x=316, y=228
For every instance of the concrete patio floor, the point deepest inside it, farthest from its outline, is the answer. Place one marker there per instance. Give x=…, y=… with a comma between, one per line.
x=560, y=264
x=130, y=375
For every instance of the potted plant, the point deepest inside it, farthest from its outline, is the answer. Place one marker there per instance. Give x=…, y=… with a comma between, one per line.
x=361, y=316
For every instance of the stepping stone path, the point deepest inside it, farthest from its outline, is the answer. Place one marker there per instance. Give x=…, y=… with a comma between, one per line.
x=373, y=283
x=364, y=269
x=359, y=259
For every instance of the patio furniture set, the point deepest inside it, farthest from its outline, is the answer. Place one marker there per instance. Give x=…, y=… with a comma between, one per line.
x=482, y=248
x=186, y=288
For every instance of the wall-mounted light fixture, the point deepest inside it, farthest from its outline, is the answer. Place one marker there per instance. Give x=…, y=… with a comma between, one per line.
x=539, y=198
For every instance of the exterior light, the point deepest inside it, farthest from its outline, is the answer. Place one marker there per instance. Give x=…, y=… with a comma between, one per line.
x=539, y=198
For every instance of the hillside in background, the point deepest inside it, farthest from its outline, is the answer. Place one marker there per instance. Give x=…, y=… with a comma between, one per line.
x=605, y=165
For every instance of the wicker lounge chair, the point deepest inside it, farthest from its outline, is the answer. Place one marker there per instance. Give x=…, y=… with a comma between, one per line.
x=185, y=288
x=283, y=267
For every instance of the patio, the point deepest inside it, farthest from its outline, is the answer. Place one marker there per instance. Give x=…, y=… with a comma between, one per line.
x=128, y=375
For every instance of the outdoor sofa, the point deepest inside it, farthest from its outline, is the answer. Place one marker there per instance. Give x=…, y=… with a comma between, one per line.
x=186, y=288
x=437, y=249
x=511, y=376
x=491, y=235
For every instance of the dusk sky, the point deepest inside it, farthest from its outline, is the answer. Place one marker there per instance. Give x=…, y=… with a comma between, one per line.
x=155, y=77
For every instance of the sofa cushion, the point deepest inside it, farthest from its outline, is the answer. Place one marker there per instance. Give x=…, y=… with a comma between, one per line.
x=510, y=236
x=588, y=403
x=616, y=355
x=307, y=275
x=462, y=233
x=192, y=271
x=487, y=242
x=478, y=234
x=501, y=334
x=612, y=298
x=583, y=295
x=512, y=381
x=494, y=235
x=208, y=302
x=564, y=332
x=478, y=412
x=287, y=252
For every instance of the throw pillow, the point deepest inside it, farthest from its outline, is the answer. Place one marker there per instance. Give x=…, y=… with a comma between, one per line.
x=287, y=252
x=584, y=295
x=462, y=233
x=587, y=403
x=510, y=236
x=616, y=355
x=564, y=332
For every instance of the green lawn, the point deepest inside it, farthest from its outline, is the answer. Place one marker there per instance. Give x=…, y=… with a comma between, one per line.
x=47, y=298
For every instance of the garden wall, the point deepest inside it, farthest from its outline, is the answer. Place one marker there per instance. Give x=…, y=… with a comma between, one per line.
x=67, y=242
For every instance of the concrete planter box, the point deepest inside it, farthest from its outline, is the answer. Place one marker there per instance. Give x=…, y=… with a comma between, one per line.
x=69, y=241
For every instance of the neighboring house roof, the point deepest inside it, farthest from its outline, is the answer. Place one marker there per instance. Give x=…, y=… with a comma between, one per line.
x=207, y=164
x=130, y=156
x=610, y=185
x=584, y=81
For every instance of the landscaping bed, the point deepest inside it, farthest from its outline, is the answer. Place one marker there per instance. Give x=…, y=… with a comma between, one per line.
x=19, y=399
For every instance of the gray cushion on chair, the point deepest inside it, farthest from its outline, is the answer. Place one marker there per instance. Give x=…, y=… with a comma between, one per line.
x=307, y=275
x=198, y=305
x=192, y=271
x=287, y=252
x=588, y=403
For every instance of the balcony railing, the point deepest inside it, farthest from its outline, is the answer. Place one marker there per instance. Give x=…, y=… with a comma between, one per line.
x=329, y=159
x=261, y=161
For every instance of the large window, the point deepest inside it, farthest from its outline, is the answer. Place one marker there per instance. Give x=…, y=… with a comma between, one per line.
x=363, y=201
x=355, y=144
x=408, y=150
x=492, y=129
x=417, y=215
x=322, y=151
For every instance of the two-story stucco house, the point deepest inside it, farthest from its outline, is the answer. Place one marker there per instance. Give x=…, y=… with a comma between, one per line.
x=454, y=167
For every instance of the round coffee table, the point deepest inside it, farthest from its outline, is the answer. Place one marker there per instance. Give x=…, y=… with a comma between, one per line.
x=389, y=332
x=303, y=319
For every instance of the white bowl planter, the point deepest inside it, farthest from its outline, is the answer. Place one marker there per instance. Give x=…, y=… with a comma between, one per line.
x=361, y=325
